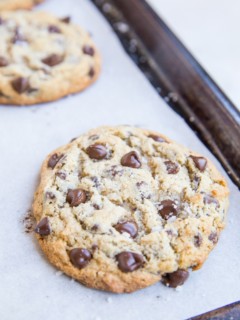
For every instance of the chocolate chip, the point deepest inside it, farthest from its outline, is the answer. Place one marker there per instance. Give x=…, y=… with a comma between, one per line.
x=3, y=62
x=50, y=195
x=80, y=257
x=175, y=279
x=157, y=138
x=208, y=199
x=97, y=151
x=66, y=19
x=53, y=60
x=199, y=162
x=91, y=72
x=53, y=160
x=95, y=227
x=129, y=227
x=20, y=84
x=172, y=167
x=94, y=247
x=96, y=206
x=43, y=227
x=54, y=29
x=88, y=50
x=61, y=175
x=168, y=209
x=198, y=240
x=213, y=237
x=131, y=160
x=76, y=197
x=129, y=261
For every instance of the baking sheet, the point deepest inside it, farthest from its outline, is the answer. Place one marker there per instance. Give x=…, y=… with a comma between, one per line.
x=30, y=287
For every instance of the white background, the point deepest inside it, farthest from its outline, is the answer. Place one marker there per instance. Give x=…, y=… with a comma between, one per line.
x=30, y=287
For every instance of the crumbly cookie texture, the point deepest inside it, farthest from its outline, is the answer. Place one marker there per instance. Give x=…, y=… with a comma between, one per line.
x=120, y=208
x=43, y=58
x=18, y=4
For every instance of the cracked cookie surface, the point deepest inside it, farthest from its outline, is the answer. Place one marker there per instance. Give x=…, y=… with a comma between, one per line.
x=18, y=4
x=120, y=208
x=43, y=58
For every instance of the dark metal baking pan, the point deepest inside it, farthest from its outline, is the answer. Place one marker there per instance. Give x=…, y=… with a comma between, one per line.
x=185, y=86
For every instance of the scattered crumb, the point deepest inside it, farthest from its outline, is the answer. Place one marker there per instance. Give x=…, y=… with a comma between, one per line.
x=109, y=299
x=179, y=288
x=28, y=222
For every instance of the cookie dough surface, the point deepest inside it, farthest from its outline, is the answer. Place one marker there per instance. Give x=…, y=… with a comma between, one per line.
x=18, y=4
x=43, y=58
x=119, y=208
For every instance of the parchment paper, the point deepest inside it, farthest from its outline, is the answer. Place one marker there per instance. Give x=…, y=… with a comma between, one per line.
x=30, y=287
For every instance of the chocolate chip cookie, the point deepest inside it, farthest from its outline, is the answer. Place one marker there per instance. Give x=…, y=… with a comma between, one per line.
x=43, y=58
x=120, y=208
x=18, y=4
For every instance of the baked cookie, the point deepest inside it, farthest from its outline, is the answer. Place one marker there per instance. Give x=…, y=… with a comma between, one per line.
x=43, y=58
x=18, y=4
x=121, y=208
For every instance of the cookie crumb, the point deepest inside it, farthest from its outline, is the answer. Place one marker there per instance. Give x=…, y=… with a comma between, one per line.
x=28, y=222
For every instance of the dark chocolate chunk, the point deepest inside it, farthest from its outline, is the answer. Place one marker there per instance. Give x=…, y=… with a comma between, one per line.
x=127, y=226
x=198, y=240
x=54, y=29
x=20, y=84
x=88, y=50
x=97, y=151
x=200, y=162
x=175, y=279
x=157, y=138
x=91, y=72
x=53, y=60
x=172, y=167
x=66, y=19
x=3, y=62
x=43, y=227
x=129, y=261
x=80, y=257
x=213, y=237
x=168, y=209
x=53, y=160
x=61, y=175
x=131, y=160
x=76, y=197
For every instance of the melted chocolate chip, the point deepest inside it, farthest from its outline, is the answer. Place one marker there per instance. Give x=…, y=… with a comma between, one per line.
x=198, y=240
x=76, y=197
x=168, y=209
x=20, y=84
x=91, y=72
x=172, y=167
x=66, y=19
x=61, y=175
x=80, y=257
x=199, y=162
x=43, y=227
x=213, y=237
x=175, y=279
x=53, y=160
x=129, y=227
x=97, y=151
x=129, y=261
x=131, y=160
x=208, y=199
x=157, y=138
x=88, y=50
x=3, y=62
x=53, y=29
x=50, y=195
x=53, y=60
